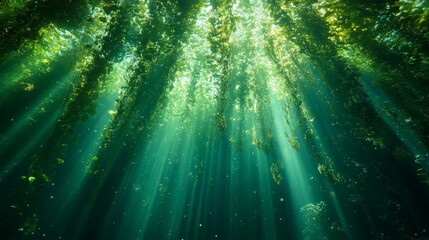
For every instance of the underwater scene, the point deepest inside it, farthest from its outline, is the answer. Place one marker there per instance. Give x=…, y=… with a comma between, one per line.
x=214, y=119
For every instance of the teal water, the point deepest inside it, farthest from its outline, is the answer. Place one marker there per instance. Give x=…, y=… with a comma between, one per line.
x=228, y=119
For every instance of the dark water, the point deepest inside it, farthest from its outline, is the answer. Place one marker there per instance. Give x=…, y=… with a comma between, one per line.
x=246, y=119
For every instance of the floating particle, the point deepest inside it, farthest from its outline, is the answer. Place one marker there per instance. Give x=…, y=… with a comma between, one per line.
x=28, y=87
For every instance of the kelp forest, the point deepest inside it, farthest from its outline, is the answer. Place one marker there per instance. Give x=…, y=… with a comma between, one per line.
x=214, y=119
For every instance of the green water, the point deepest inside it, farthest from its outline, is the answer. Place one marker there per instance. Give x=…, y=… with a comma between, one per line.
x=229, y=119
